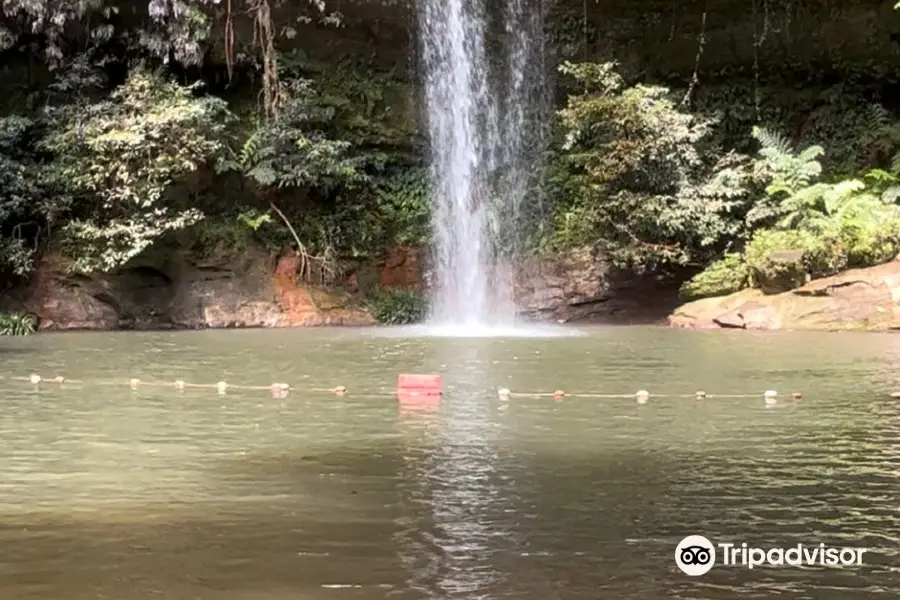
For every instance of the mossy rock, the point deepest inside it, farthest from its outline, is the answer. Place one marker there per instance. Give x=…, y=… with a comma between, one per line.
x=778, y=261
x=781, y=271
x=725, y=276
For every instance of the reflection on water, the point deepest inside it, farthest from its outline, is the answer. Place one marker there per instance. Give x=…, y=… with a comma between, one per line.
x=466, y=490
x=105, y=493
x=450, y=478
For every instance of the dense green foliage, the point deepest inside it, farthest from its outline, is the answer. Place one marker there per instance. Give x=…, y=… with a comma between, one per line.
x=108, y=175
x=659, y=187
x=24, y=196
x=636, y=178
x=16, y=324
x=805, y=228
x=130, y=131
x=111, y=151
x=727, y=275
x=120, y=157
x=398, y=306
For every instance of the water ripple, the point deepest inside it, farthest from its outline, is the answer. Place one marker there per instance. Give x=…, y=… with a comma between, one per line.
x=109, y=494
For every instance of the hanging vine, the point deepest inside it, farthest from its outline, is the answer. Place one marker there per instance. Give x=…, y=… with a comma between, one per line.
x=264, y=36
x=758, y=40
x=229, y=40
x=672, y=21
x=701, y=43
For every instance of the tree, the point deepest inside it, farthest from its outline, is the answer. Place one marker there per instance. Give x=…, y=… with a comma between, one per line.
x=120, y=157
x=641, y=184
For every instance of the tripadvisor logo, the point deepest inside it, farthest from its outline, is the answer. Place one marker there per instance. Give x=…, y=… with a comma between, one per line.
x=696, y=555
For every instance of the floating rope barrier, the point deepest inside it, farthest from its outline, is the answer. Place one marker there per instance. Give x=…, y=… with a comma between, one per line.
x=642, y=396
x=221, y=387
x=281, y=390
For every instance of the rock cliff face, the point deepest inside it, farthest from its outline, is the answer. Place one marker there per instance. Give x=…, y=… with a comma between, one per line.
x=256, y=289
x=654, y=37
x=580, y=286
x=260, y=290
x=861, y=299
x=576, y=286
x=253, y=290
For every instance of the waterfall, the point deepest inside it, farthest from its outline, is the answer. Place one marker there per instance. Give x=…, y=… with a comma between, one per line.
x=483, y=121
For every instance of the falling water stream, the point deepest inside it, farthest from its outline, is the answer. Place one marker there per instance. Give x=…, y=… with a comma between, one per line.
x=481, y=102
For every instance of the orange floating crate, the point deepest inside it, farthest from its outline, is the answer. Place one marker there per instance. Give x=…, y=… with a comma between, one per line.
x=421, y=385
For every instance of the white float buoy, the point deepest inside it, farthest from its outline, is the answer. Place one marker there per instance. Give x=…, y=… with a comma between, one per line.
x=771, y=397
x=222, y=387
x=503, y=393
x=642, y=396
x=179, y=384
x=134, y=383
x=34, y=379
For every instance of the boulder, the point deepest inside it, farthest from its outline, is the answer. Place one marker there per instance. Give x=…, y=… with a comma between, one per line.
x=781, y=271
x=862, y=299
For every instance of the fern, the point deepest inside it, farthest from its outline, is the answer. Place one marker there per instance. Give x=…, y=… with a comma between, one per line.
x=891, y=194
x=792, y=197
x=16, y=324
x=879, y=119
x=895, y=164
x=772, y=141
x=249, y=153
x=789, y=172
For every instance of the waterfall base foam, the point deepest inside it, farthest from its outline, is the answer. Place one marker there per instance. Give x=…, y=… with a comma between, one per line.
x=482, y=331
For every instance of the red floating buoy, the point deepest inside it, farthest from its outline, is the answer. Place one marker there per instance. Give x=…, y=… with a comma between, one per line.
x=421, y=385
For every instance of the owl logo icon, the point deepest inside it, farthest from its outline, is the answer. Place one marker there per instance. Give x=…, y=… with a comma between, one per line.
x=695, y=555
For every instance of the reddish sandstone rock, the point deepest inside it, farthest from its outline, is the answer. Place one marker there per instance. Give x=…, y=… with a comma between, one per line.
x=63, y=302
x=295, y=302
x=248, y=290
x=401, y=268
x=304, y=305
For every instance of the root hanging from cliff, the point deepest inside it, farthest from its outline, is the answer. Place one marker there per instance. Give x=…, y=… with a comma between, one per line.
x=322, y=268
x=264, y=35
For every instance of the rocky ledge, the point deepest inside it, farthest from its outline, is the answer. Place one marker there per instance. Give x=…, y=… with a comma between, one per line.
x=176, y=289
x=860, y=299
x=253, y=290
x=580, y=286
